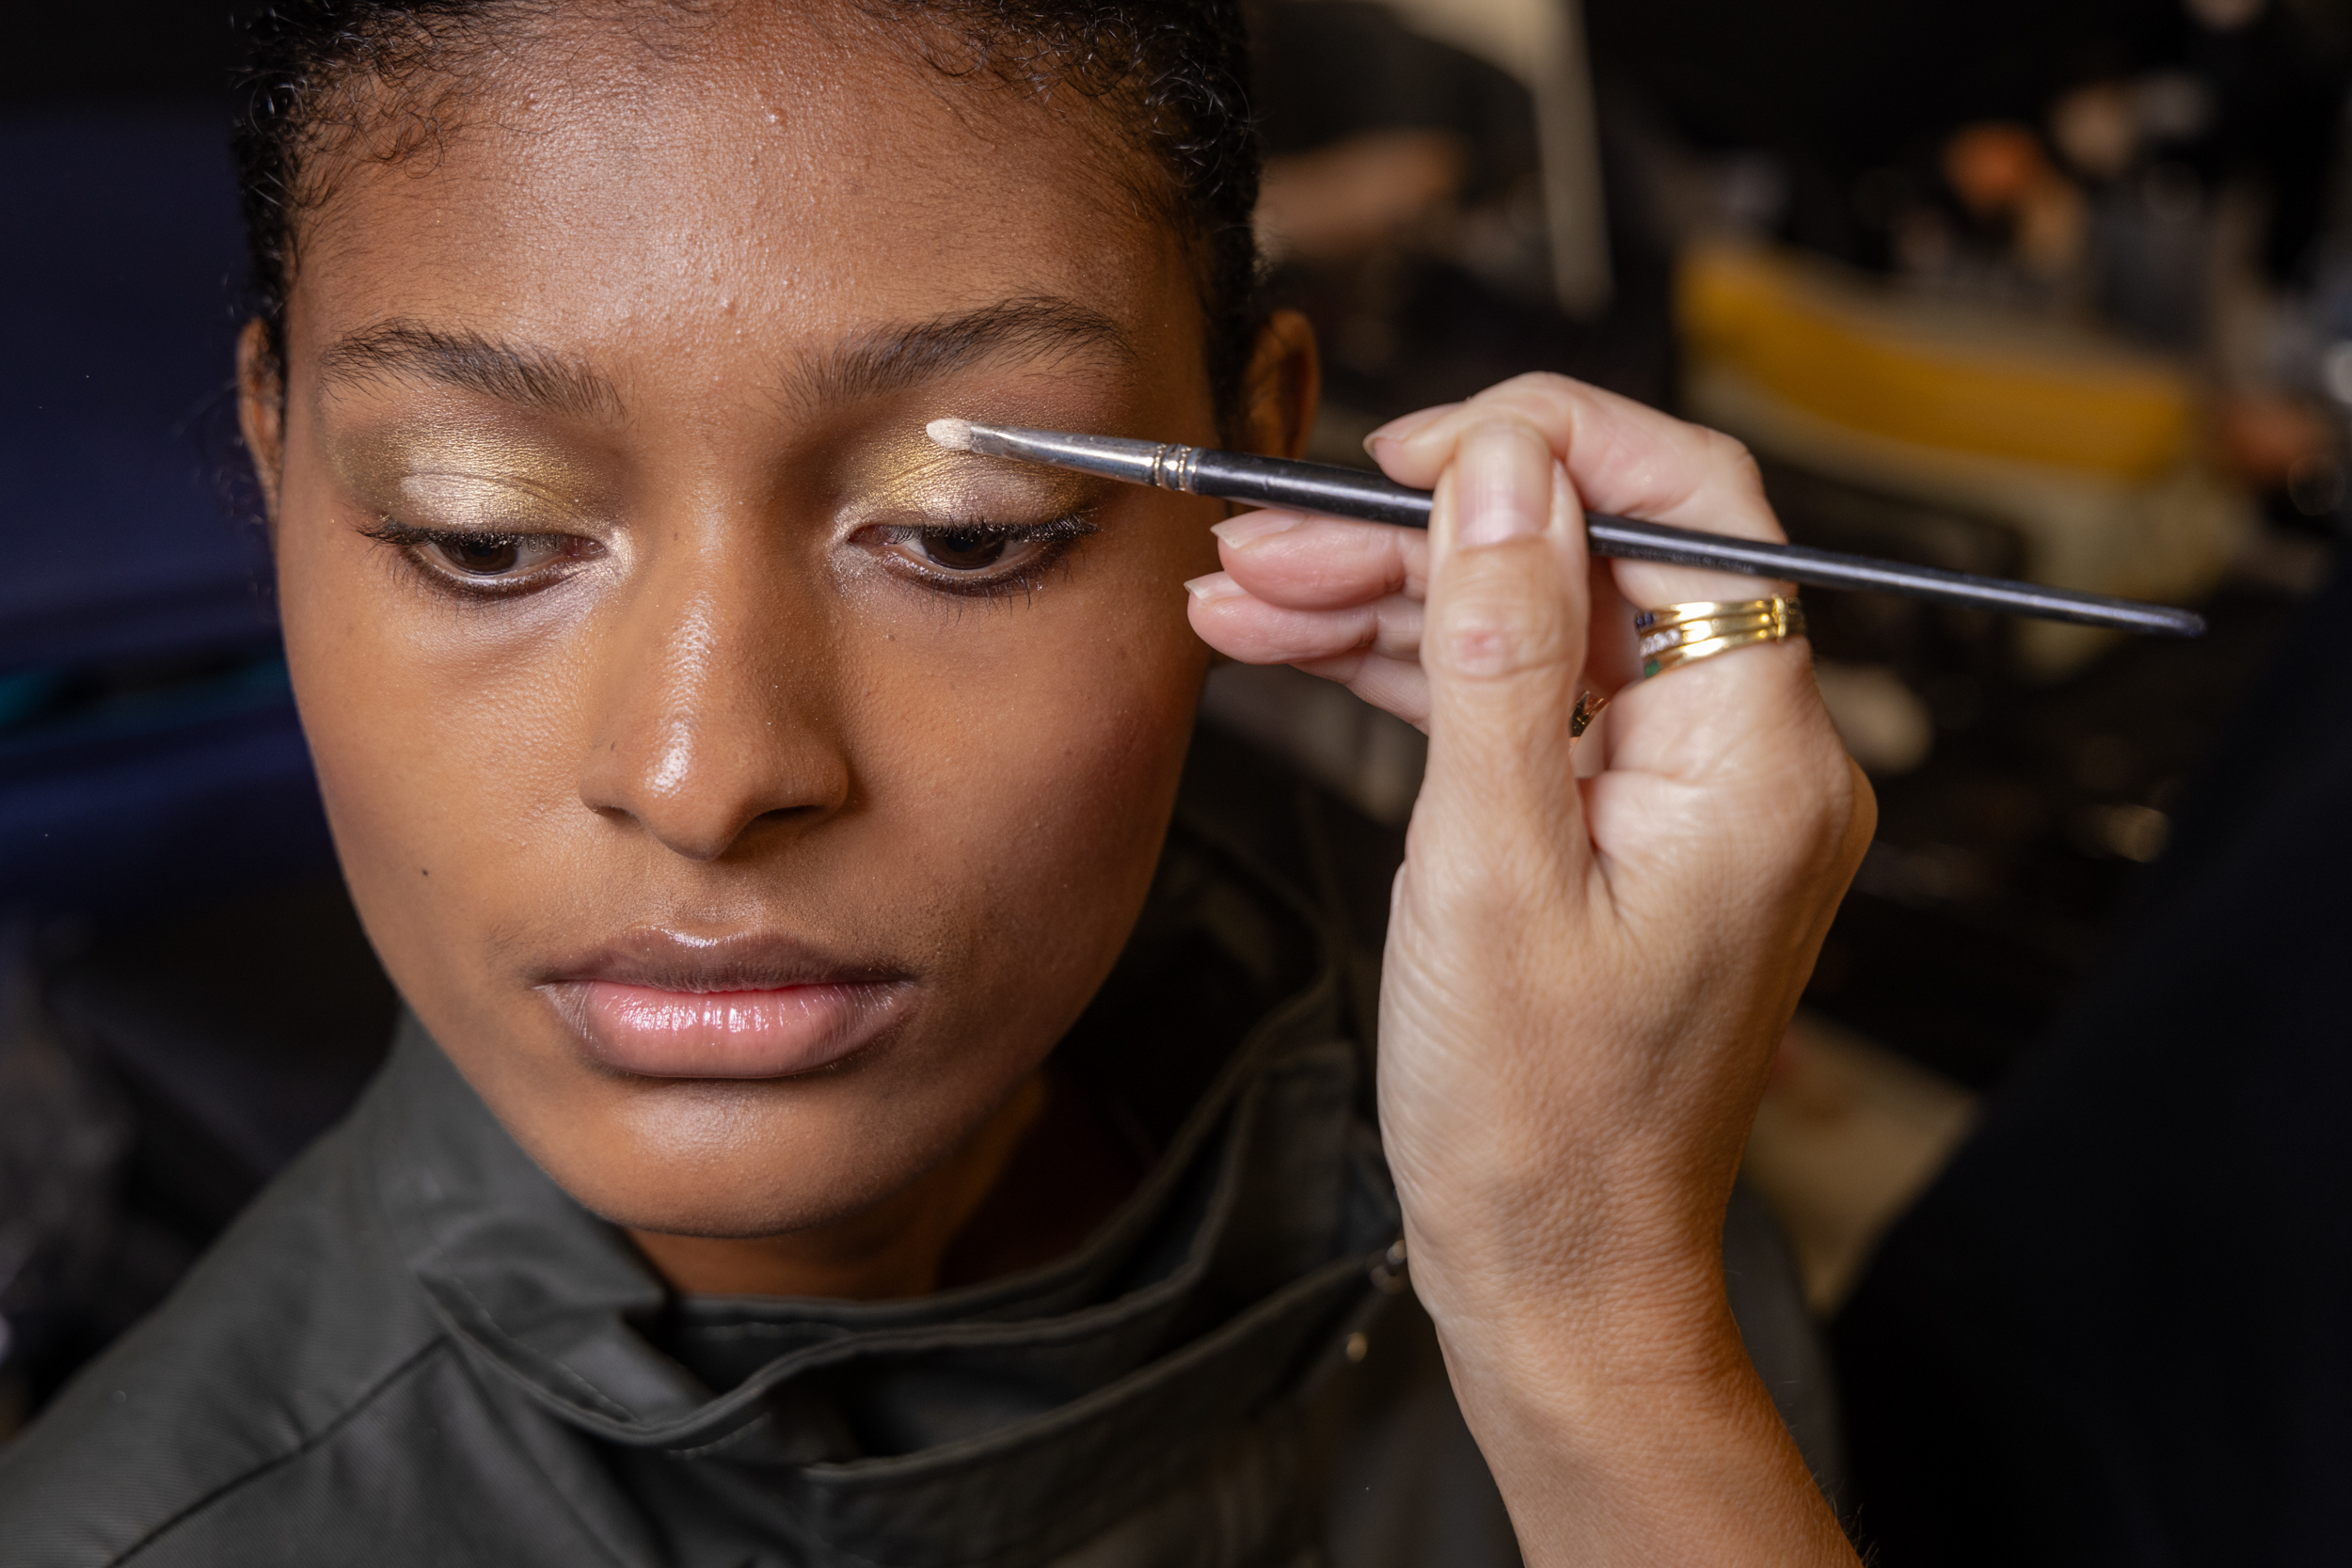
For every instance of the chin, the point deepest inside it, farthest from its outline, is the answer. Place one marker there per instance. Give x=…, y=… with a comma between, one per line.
x=736, y=1159
x=734, y=1196
x=690, y=1208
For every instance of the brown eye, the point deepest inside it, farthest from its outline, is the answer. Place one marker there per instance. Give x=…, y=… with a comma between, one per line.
x=482, y=557
x=956, y=557
x=969, y=550
x=485, y=566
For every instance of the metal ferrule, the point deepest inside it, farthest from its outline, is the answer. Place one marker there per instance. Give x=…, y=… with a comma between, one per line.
x=1164, y=463
x=1136, y=462
x=1173, y=466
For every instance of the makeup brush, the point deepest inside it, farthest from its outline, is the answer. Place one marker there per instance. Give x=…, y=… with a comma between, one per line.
x=1370, y=497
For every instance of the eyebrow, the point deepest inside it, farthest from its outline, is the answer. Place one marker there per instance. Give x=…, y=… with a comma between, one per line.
x=529, y=376
x=891, y=359
x=872, y=363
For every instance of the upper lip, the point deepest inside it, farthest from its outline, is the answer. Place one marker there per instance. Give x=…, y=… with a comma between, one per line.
x=664, y=960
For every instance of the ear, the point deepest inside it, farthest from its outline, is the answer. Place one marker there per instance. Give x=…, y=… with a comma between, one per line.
x=1284, y=383
x=261, y=409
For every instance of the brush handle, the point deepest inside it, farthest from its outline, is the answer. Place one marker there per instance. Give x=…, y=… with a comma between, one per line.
x=1240, y=476
x=1339, y=492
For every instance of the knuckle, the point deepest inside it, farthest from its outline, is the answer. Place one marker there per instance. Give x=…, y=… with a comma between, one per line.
x=1539, y=398
x=1807, y=811
x=1833, y=799
x=1497, y=628
x=1738, y=463
x=1546, y=383
x=1733, y=453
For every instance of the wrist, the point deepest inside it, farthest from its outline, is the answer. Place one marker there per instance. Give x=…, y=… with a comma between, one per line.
x=1629, y=1427
x=1531, y=1243
x=1639, y=1311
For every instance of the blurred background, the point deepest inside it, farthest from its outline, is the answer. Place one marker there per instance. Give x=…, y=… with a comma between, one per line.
x=2058, y=289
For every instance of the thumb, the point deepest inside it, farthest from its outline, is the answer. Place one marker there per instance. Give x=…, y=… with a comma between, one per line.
x=1504, y=644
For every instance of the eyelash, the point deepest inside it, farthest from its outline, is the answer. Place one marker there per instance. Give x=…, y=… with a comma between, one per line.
x=411, y=543
x=1056, y=536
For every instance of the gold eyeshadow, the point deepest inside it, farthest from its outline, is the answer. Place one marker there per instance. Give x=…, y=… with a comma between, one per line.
x=464, y=480
x=914, y=474
x=468, y=479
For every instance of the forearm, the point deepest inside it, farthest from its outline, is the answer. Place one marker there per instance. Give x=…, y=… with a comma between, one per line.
x=1586, y=968
x=1631, y=1434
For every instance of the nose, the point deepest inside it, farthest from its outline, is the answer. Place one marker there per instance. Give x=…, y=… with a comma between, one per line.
x=711, y=716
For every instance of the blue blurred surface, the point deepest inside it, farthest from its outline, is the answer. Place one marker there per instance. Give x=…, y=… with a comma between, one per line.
x=149, y=752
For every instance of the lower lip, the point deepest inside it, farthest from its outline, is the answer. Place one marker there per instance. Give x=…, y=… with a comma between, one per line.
x=730, y=1033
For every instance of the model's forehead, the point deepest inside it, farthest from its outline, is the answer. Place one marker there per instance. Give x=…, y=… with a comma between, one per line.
x=793, y=177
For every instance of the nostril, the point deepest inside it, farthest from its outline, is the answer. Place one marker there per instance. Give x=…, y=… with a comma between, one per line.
x=701, y=800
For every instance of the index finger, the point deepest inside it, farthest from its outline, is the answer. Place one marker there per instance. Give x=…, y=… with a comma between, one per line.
x=1303, y=561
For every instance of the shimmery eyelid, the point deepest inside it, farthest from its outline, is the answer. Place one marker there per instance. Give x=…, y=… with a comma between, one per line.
x=916, y=475
x=466, y=476
x=469, y=503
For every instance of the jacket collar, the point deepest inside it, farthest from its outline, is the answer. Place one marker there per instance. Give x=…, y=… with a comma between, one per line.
x=954, y=1427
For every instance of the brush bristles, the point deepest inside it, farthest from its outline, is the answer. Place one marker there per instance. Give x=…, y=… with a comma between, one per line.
x=954, y=435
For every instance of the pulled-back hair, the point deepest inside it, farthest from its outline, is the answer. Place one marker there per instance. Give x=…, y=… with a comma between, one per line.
x=328, y=75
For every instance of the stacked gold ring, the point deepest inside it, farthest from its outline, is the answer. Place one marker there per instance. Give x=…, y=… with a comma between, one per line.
x=1685, y=633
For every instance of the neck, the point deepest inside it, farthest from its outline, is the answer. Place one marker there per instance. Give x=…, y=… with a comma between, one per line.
x=1028, y=1185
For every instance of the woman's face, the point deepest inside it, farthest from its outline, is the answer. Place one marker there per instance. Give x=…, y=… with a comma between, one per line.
x=746, y=794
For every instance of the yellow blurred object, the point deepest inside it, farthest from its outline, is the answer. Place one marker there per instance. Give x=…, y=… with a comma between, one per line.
x=1891, y=369
x=2086, y=448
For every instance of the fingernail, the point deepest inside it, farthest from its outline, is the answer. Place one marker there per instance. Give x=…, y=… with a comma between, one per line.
x=1247, y=530
x=1501, y=484
x=1216, y=586
x=1405, y=425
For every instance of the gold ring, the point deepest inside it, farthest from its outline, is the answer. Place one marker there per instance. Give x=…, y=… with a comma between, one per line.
x=1684, y=633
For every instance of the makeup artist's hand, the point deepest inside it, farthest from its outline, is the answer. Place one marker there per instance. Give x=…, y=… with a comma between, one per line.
x=1585, y=977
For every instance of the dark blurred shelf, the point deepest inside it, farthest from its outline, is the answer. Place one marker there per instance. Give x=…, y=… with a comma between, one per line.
x=2001, y=860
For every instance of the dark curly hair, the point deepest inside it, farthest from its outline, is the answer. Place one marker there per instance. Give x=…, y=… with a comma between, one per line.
x=334, y=79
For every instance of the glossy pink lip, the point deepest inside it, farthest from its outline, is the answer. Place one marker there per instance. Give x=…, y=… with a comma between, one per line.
x=662, y=1005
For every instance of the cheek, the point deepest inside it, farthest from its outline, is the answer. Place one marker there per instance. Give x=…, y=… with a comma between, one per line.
x=1046, y=776
x=1036, y=744
x=432, y=759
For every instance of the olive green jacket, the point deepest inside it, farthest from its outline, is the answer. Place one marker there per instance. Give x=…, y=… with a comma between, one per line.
x=415, y=1348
